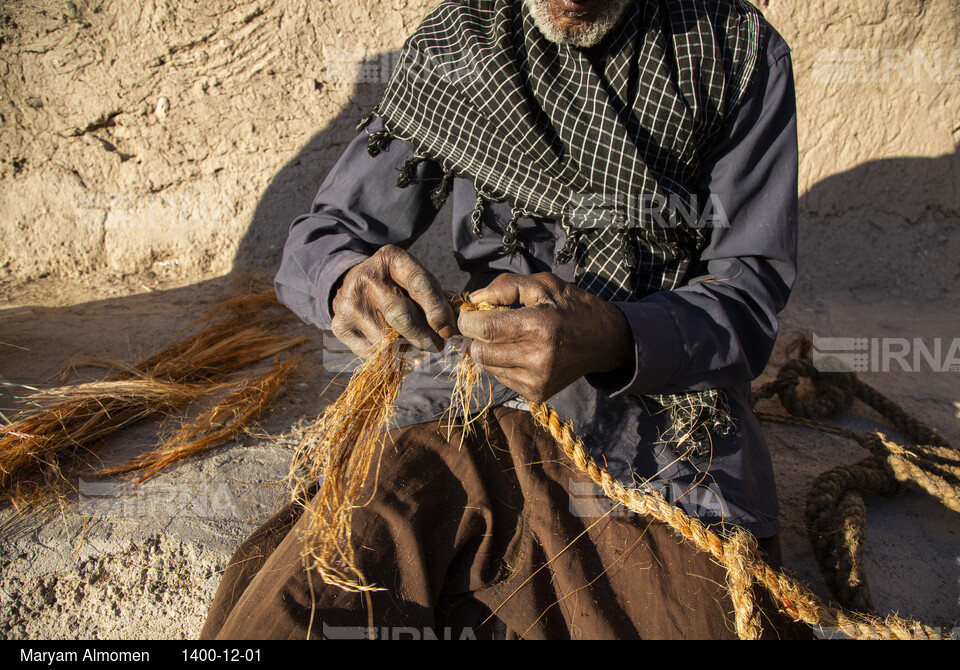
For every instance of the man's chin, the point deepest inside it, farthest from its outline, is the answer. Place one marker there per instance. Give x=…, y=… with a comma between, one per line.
x=575, y=22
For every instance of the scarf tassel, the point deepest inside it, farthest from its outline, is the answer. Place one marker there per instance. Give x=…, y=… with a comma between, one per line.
x=570, y=248
x=365, y=121
x=377, y=142
x=511, y=234
x=477, y=217
x=628, y=254
x=439, y=195
x=408, y=173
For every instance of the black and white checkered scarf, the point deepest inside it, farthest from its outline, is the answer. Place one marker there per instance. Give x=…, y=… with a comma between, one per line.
x=613, y=156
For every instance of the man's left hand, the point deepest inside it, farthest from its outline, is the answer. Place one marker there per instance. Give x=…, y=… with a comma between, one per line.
x=557, y=335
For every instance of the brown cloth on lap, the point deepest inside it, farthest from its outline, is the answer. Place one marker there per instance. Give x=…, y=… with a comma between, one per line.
x=463, y=535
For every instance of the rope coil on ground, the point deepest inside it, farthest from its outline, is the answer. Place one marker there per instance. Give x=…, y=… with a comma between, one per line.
x=836, y=514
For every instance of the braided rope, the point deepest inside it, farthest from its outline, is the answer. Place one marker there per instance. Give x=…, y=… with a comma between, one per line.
x=836, y=520
x=735, y=550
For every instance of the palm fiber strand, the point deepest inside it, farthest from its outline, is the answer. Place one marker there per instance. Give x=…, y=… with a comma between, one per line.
x=339, y=447
x=232, y=335
x=244, y=403
x=74, y=418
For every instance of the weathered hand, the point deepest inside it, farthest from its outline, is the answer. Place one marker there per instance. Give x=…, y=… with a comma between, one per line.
x=560, y=333
x=391, y=288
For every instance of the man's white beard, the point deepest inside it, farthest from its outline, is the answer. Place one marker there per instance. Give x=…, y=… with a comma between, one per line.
x=583, y=36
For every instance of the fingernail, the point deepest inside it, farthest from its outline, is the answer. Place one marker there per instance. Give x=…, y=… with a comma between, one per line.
x=447, y=331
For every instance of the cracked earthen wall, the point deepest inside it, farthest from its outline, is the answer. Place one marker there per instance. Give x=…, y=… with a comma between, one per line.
x=181, y=138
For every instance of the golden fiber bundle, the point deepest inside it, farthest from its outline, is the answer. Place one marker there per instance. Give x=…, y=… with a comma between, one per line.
x=340, y=446
x=72, y=419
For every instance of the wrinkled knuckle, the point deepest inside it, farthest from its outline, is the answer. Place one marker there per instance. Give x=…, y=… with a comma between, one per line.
x=352, y=304
x=478, y=353
x=486, y=330
x=339, y=327
x=546, y=278
x=387, y=251
x=504, y=278
x=437, y=316
x=529, y=288
x=463, y=324
x=357, y=289
x=400, y=318
x=345, y=314
x=372, y=267
x=391, y=254
x=420, y=283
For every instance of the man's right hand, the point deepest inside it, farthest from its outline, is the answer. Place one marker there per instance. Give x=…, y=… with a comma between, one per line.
x=391, y=288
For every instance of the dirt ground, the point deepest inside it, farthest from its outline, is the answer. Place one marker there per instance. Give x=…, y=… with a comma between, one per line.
x=153, y=154
x=149, y=571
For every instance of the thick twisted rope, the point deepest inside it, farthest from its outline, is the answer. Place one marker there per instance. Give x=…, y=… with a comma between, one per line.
x=835, y=509
x=735, y=550
x=836, y=520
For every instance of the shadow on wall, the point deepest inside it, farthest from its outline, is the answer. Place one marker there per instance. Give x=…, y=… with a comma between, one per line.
x=886, y=228
x=38, y=342
x=876, y=230
x=293, y=188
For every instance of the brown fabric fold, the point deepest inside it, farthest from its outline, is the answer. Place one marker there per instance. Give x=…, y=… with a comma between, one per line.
x=497, y=535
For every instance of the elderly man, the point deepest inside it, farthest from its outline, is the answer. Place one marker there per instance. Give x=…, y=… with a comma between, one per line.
x=624, y=180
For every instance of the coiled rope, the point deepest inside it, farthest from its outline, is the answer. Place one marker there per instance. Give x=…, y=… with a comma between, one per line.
x=835, y=510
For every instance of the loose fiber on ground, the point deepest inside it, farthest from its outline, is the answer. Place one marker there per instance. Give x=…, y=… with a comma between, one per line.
x=70, y=420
